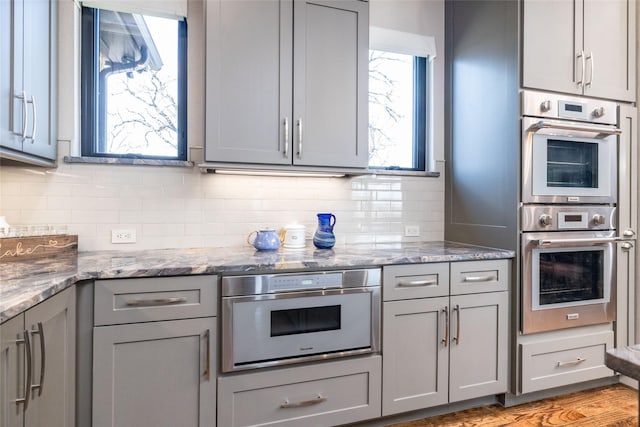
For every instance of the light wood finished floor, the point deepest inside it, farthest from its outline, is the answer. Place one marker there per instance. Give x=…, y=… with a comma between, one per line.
x=615, y=405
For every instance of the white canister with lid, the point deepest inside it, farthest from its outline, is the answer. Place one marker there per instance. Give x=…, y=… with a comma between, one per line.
x=293, y=236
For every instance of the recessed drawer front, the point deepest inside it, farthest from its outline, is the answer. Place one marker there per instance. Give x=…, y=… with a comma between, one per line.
x=327, y=394
x=471, y=277
x=409, y=281
x=151, y=299
x=560, y=362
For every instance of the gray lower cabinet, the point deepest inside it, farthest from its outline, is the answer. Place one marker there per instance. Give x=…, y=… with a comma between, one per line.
x=28, y=81
x=446, y=348
x=155, y=374
x=37, y=365
x=287, y=83
x=317, y=394
x=154, y=352
x=416, y=359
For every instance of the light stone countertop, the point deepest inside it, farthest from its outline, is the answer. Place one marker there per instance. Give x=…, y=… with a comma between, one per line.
x=25, y=284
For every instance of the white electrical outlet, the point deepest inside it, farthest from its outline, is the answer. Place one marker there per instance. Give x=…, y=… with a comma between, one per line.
x=123, y=236
x=412, y=230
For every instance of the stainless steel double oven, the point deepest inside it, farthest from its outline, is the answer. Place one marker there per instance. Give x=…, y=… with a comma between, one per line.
x=568, y=213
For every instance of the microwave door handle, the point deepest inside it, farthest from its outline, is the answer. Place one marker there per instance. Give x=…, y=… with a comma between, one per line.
x=551, y=242
x=574, y=127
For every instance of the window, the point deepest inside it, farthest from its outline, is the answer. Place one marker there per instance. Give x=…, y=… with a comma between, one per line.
x=133, y=85
x=399, y=96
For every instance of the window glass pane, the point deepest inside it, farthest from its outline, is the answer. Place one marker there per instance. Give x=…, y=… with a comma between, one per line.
x=391, y=110
x=137, y=101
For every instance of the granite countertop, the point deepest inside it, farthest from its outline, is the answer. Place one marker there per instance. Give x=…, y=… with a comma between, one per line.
x=25, y=284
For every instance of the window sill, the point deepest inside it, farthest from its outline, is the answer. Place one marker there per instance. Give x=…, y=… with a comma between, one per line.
x=126, y=161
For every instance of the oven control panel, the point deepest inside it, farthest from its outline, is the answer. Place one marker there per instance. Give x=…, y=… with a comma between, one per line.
x=580, y=109
x=568, y=218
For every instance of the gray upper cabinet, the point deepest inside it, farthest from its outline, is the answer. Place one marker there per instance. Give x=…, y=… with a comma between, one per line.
x=584, y=47
x=28, y=81
x=286, y=83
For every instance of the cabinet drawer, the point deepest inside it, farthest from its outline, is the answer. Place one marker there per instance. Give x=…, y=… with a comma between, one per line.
x=556, y=363
x=471, y=277
x=150, y=299
x=415, y=281
x=330, y=393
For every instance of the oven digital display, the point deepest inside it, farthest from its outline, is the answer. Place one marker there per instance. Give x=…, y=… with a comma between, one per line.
x=573, y=218
x=305, y=320
x=573, y=107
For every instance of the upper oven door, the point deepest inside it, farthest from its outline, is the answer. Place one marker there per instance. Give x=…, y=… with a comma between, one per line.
x=567, y=162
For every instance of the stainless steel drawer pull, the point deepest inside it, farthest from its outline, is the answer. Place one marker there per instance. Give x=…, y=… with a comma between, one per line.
x=411, y=283
x=303, y=403
x=582, y=62
x=487, y=278
x=576, y=361
x=156, y=302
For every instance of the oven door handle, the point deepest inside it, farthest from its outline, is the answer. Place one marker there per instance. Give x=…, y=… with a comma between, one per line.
x=562, y=126
x=550, y=242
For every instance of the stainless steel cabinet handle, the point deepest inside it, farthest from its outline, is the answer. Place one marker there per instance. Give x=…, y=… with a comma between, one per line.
x=410, y=283
x=309, y=402
x=590, y=58
x=32, y=137
x=591, y=129
x=627, y=245
x=487, y=278
x=628, y=233
x=27, y=382
x=286, y=137
x=577, y=361
x=43, y=358
x=207, y=362
x=582, y=61
x=299, y=153
x=156, y=302
x=457, y=337
x=23, y=97
x=445, y=340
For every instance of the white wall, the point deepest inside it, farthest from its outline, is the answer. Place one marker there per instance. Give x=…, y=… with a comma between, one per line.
x=180, y=207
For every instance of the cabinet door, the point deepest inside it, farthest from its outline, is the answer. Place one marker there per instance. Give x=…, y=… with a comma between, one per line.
x=10, y=62
x=552, y=42
x=330, y=83
x=609, y=45
x=155, y=374
x=12, y=372
x=478, y=353
x=51, y=326
x=39, y=73
x=415, y=363
x=248, y=81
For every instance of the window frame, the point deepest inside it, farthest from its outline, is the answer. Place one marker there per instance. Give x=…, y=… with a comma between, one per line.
x=91, y=126
x=420, y=108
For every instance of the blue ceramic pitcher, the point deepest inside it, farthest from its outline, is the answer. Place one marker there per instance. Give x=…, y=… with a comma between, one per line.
x=324, y=238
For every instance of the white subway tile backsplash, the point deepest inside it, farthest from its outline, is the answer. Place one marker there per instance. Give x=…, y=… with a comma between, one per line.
x=179, y=207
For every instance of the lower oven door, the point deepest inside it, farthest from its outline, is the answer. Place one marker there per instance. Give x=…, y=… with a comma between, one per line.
x=266, y=330
x=568, y=279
